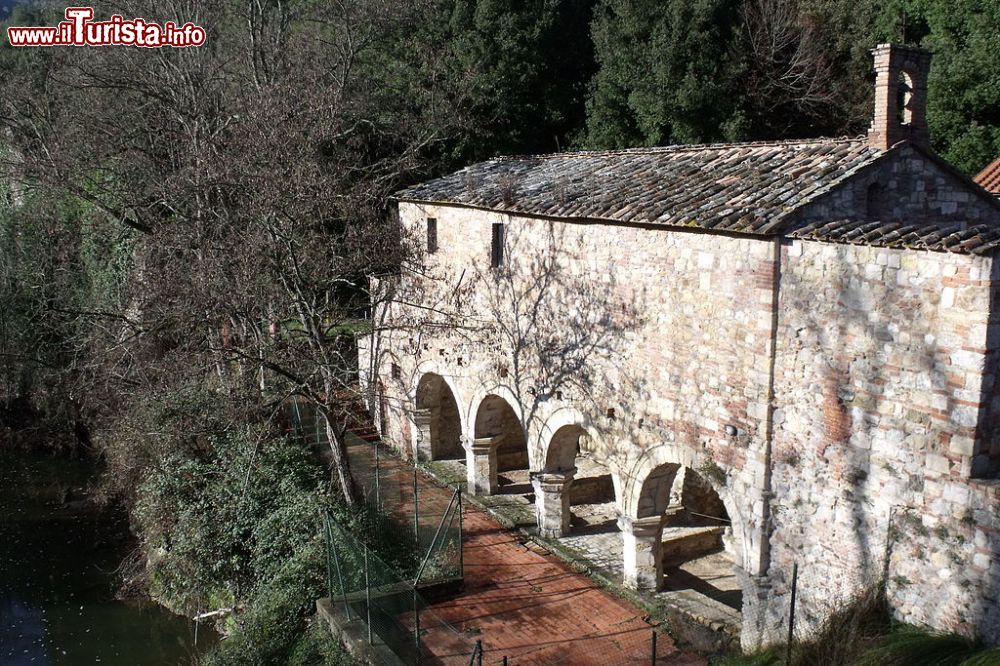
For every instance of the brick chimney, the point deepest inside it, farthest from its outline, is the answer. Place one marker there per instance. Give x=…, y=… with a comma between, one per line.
x=900, y=95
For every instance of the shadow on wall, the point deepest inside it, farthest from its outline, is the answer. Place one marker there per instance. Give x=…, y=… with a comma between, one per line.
x=870, y=352
x=560, y=324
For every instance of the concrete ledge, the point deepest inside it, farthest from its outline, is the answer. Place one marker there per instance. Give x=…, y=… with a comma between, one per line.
x=353, y=634
x=681, y=544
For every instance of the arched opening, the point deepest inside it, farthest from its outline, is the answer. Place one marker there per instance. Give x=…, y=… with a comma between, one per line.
x=498, y=432
x=690, y=536
x=438, y=420
x=904, y=99
x=589, y=507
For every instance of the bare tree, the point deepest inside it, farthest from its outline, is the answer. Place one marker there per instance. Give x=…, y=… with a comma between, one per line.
x=789, y=77
x=252, y=174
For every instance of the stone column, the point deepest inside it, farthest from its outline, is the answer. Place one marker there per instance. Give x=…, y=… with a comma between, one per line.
x=642, y=550
x=481, y=460
x=552, y=501
x=422, y=446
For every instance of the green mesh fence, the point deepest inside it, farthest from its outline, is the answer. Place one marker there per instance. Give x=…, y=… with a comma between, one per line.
x=409, y=522
x=394, y=612
x=407, y=535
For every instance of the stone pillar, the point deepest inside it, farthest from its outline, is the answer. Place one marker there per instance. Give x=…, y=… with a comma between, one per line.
x=481, y=460
x=422, y=446
x=642, y=550
x=552, y=501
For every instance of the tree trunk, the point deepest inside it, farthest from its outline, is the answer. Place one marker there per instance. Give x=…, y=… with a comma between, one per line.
x=338, y=450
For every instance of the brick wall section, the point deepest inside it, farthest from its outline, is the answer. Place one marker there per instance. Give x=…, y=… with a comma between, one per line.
x=879, y=386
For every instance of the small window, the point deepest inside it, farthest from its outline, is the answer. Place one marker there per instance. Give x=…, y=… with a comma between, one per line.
x=496, y=254
x=874, y=202
x=432, y=235
x=396, y=372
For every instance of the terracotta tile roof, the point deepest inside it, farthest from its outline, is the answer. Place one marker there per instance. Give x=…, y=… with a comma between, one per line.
x=959, y=238
x=747, y=187
x=989, y=178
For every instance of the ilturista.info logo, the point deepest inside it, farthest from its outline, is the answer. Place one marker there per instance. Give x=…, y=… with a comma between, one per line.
x=79, y=29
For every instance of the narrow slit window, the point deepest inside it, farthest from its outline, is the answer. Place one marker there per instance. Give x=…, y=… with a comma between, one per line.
x=432, y=235
x=496, y=253
x=874, y=202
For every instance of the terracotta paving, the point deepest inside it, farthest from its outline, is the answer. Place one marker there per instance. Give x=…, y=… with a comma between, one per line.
x=526, y=605
x=533, y=609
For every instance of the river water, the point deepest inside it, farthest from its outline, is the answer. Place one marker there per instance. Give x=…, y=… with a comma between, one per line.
x=57, y=564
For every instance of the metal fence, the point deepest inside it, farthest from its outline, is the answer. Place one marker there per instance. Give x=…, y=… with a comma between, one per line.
x=406, y=537
x=390, y=605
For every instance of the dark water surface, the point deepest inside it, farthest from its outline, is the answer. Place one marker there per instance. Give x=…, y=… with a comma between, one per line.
x=57, y=562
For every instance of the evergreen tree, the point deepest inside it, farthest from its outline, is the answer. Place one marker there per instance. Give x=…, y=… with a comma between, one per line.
x=964, y=103
x=666, y=73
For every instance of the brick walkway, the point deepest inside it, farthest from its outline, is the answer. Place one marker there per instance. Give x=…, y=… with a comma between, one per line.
x=526, y=605
x=535, y=610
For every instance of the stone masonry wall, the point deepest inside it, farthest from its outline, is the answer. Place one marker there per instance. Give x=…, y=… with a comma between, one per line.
x=655, y=340
x=879, y=383
x=909, y=188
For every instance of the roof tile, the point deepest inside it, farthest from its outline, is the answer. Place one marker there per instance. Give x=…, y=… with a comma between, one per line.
x=727, y=187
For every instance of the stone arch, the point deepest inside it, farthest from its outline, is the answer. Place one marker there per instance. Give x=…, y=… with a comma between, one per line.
x=498, y=442
x=509, y=396
x=668, y=454
x=574, y=425
x=574, y=472
x=651, y=459
x=496, y=418
x=647, y=497
x=438, y=418
x=560, y=454
x=454, y=383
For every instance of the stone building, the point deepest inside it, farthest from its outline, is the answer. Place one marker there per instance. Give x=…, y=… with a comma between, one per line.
x=787, y=349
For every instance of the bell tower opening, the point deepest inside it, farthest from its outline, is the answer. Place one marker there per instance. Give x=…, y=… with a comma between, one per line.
x=901, y=74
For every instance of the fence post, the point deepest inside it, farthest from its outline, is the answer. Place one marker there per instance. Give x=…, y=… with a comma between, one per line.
x=378, y=496
x=368, y=598
x=461, y=535
x=654, y=647
x=331, y=554
x=416, y=625
x=791, y=614
x=416, y=508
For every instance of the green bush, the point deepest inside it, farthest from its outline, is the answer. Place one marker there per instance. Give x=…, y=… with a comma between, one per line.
x=221, y=524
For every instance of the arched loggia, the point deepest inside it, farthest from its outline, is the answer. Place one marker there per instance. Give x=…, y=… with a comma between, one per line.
x=500, y=447
x=574, y=492
x=439, y=423
x=680, y=536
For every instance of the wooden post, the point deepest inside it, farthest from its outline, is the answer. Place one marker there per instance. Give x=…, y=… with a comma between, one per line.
x=654, y=647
